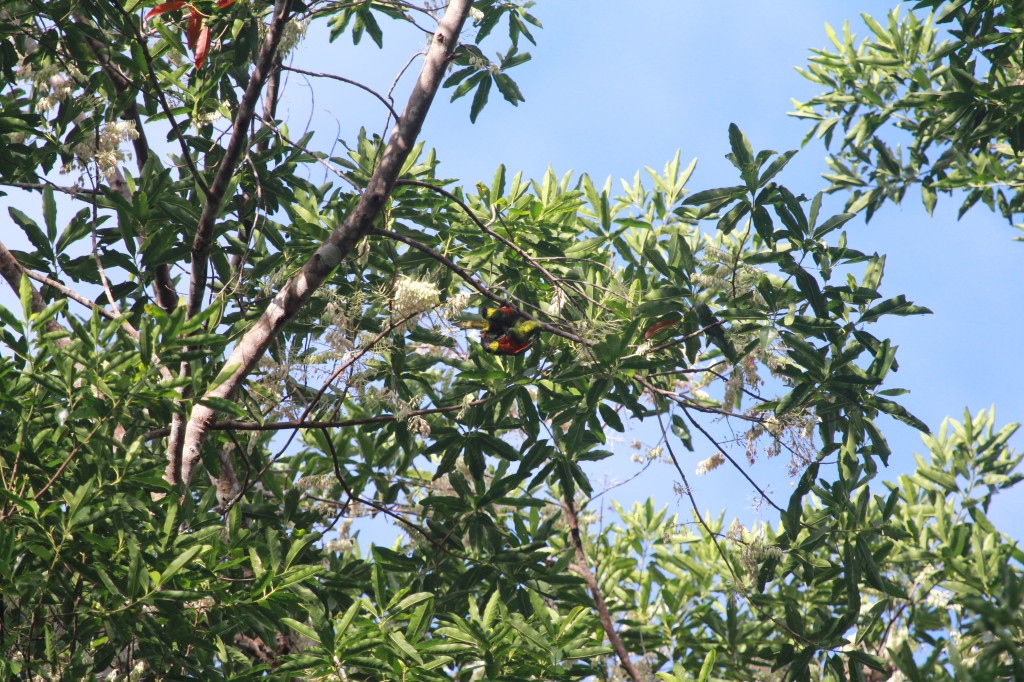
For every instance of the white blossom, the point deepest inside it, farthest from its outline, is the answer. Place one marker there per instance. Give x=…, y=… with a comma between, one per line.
x=104, y=149
x=710, y=464
x=939, y=598
x=413, y=296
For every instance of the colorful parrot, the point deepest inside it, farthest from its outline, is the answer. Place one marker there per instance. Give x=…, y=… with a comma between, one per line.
x=504, y=332
x=514, y=341
x=496, y=321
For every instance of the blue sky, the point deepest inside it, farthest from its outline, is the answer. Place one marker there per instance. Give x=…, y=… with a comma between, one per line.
x=614, y=87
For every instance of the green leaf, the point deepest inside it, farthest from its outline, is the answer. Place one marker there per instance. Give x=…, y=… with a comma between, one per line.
x=410, y=601
x=611, y=418
x=180, y=561
x=508, y=88
x=302, y=629
x=224, y=374
x=711, y=195
x=50, y=214
x=480, y=98
x=708, y=667
x=898, y=411
x=25, y=294
x=740, y=145
x=898, y=305
x=399, y=640
x=31, y=230
x=775, y=167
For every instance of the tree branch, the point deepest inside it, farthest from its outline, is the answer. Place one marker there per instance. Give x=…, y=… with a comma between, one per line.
x=238, y=425
x=583, y=568
x=69, y=293
x=346, y=80
x=251, y=347
x=11, y=270
x=215, y=198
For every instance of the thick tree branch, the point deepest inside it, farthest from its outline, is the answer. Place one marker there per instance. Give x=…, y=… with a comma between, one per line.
x=297, y=291
x=215, y=198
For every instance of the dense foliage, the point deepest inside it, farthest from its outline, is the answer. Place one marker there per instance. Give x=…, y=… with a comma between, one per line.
x=221, y=371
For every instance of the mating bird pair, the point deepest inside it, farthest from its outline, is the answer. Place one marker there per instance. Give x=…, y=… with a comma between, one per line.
x=504, y=331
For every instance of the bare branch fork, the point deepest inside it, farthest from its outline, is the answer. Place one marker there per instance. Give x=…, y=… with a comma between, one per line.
x=251, y=347
x=215, y=197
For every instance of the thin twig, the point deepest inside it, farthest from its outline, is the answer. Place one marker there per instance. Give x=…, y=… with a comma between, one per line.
x=69, y=293
x=732, y=461
x=270, y=124
x=158, y=91
x=72, y=191
x=557, y=282
x=367, y=347
x=345, y=80
x=96, y=253
x=688, y=403
x=238, y=425
x=683, y=339
x=736, y=580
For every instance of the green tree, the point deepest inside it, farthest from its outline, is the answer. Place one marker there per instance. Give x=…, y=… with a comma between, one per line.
x=913, y=105
x=181, y=311
x=940, y=587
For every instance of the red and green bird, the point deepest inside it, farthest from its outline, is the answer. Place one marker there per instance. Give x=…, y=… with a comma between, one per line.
x=504, y=331
x=496, y=320
x=514, y=341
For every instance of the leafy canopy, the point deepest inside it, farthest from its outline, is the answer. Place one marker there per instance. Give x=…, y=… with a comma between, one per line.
x=182, y=310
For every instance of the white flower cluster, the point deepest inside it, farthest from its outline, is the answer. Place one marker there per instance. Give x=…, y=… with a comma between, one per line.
x=710, y=464
x=200, y=120
x=340, y=545
x=558, y=301
x=456, y=304
x=104, y=149
x=57, y=85
x=413, y=296
x=651, y=455
x=938, y=598
x=419, y=425
x=294, y=32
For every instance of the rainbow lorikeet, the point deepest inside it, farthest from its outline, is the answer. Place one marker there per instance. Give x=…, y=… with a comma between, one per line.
x=496, y=321
x=504, y=331
x=514, y=341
